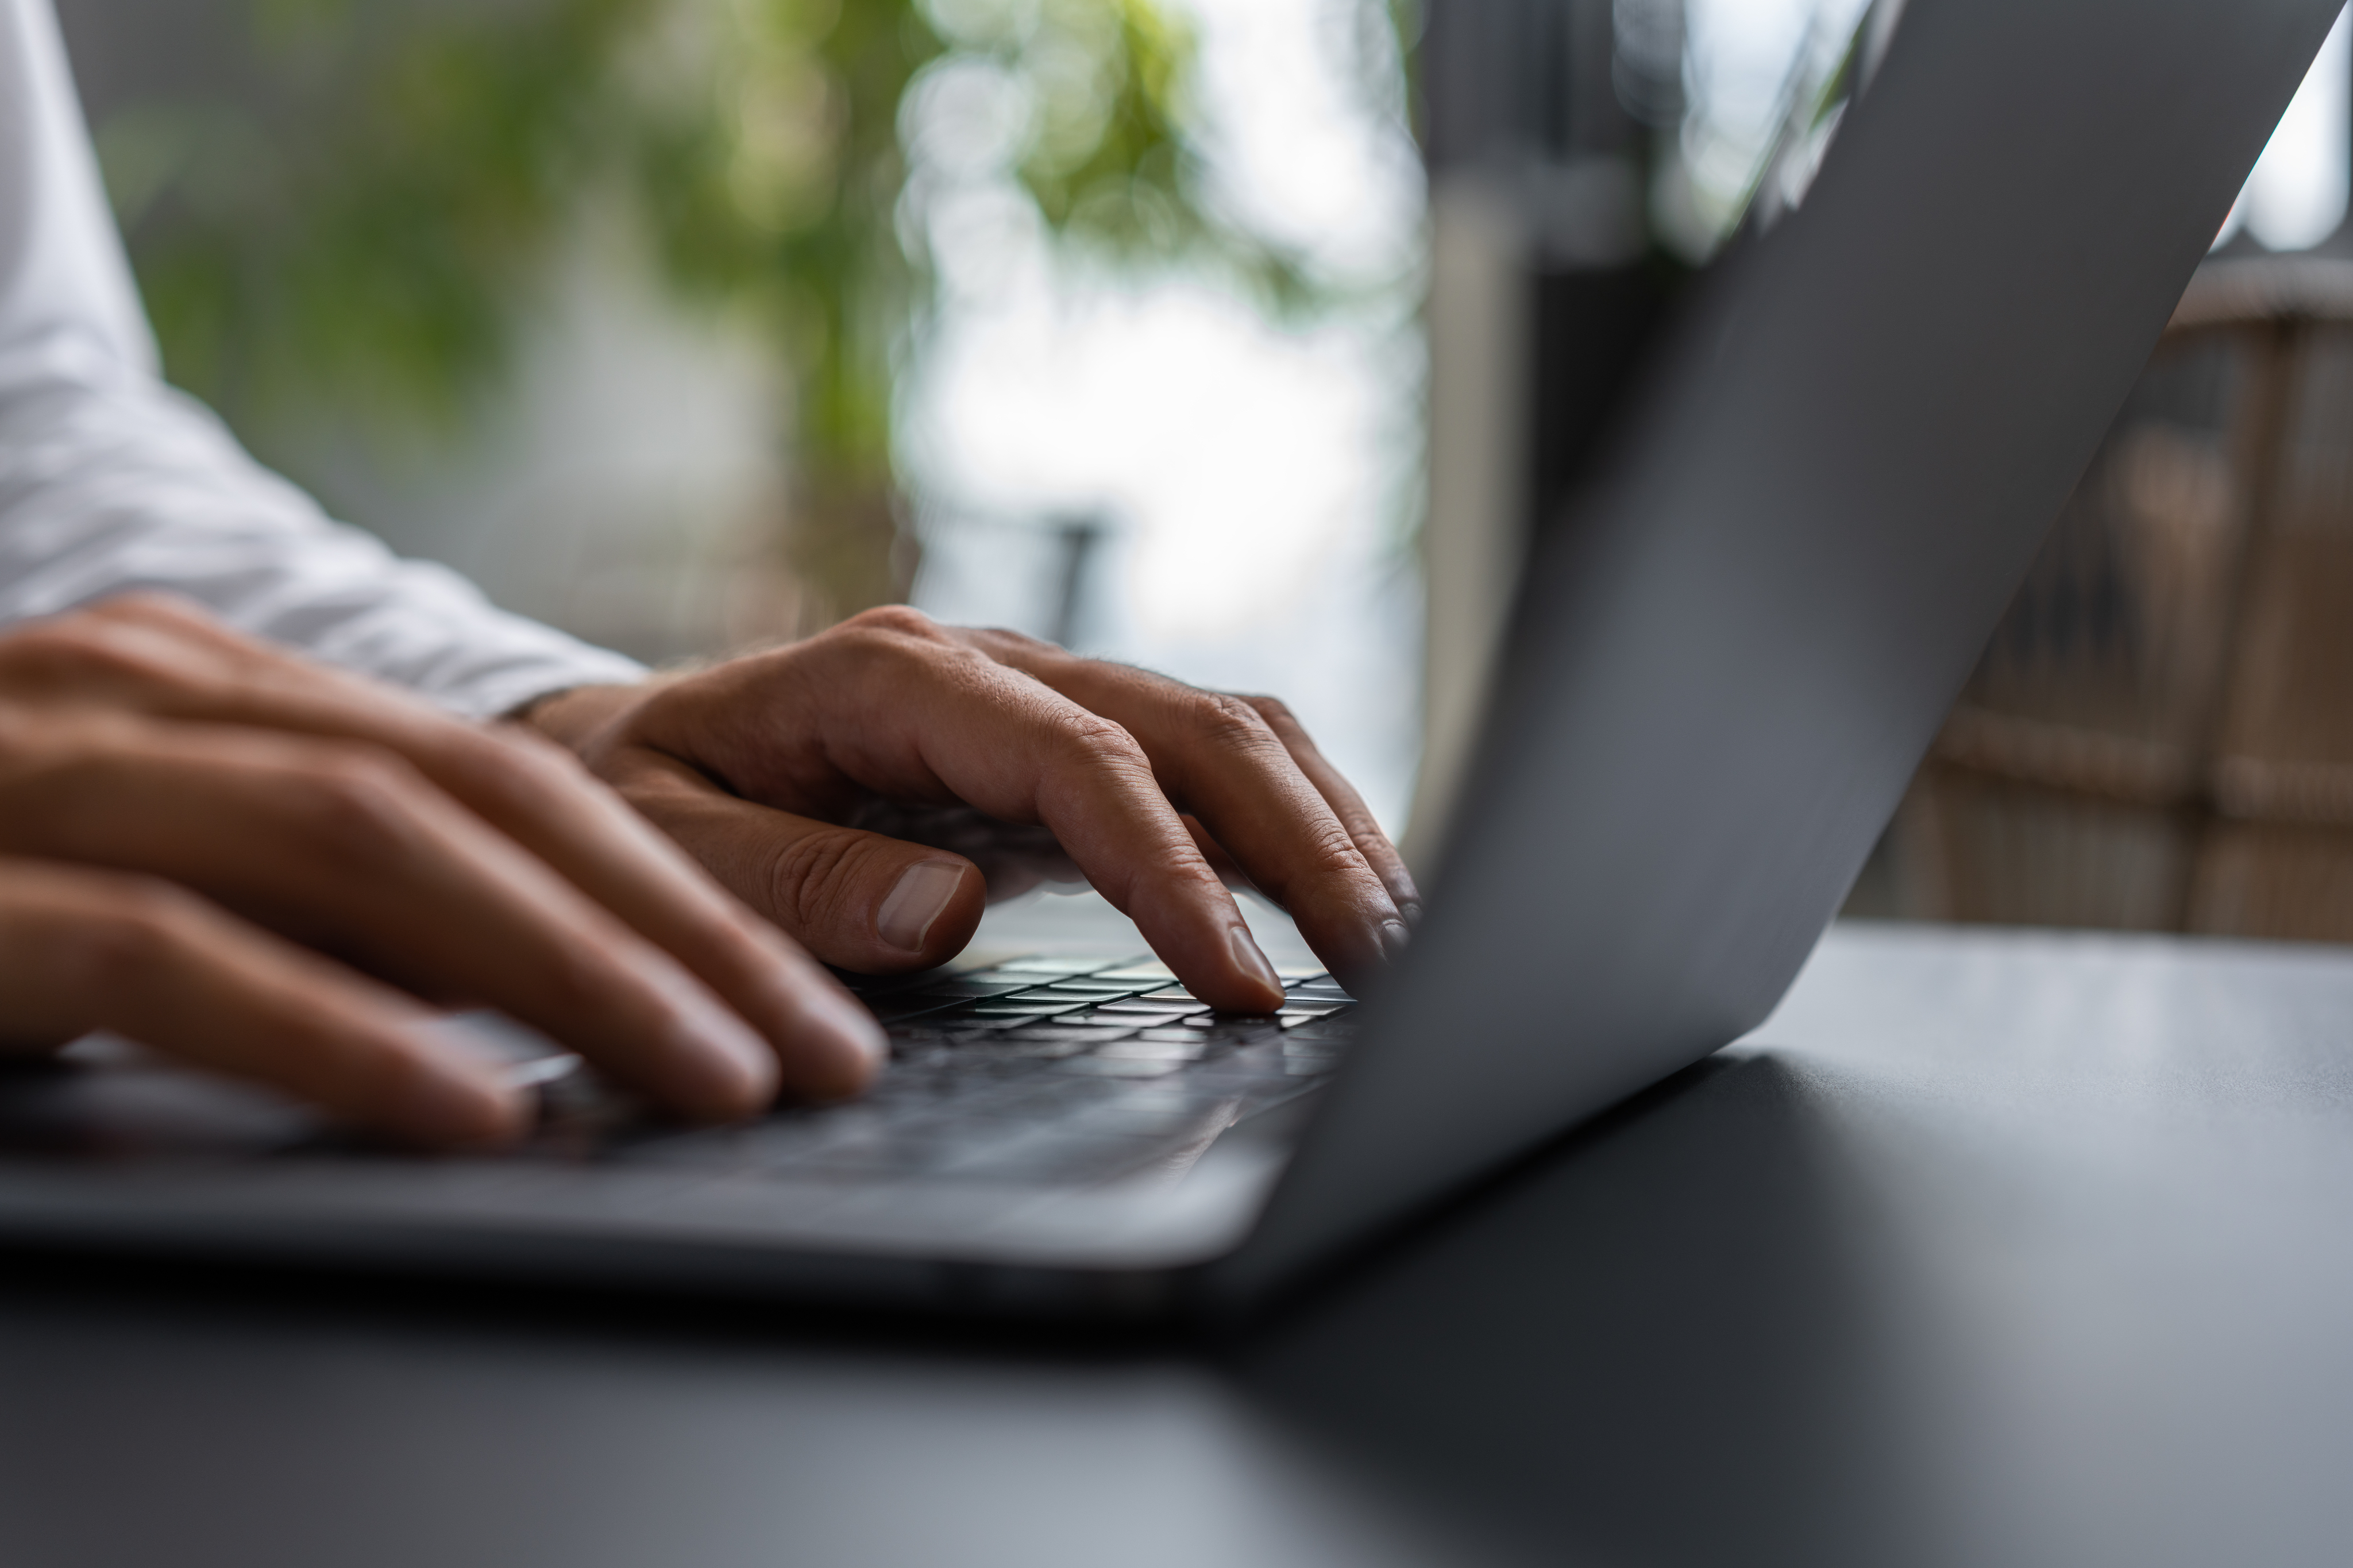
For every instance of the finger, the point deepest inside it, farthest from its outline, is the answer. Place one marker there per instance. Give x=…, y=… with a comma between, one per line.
x=896, y=709
x=866, y=902
x=1013, y=857
x=349, y=845
x=826, y=1044
x=157, y=654
x=1218, y=757
x=164, y=658
x=1364, y=829
x=82, y=950
x=1228, y=871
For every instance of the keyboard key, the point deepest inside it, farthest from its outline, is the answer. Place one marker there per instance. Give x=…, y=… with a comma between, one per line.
x=1059, y=1070
x=1179, y=1035
x=983, y=985
x=1145, y=1049
x=1074, y=994
x=1005, y=1053
x=924, y=1032
x=890, y=1009
x=1118, y=1067
x=1133, y=1019
x=1056, y=1032
x=1143, y=974
x=932, y=1045
x=1237, y=1026
x=1021, y=1008
x=1052, y=966
x=1029, y=1051
x=1292, y=974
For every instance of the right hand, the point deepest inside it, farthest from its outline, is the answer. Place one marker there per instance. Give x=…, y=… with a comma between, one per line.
x=265, y=868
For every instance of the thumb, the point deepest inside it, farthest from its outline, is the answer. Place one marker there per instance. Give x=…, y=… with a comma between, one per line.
x=855, y=900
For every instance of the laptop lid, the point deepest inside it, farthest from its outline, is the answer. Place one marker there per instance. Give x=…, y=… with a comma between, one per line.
x=1846, y=461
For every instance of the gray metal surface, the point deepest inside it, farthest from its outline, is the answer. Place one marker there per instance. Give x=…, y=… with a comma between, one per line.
x=1989, y=1249
x=1723, y=683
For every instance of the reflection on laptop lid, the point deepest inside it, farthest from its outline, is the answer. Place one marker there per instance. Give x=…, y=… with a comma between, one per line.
x=1724, y=680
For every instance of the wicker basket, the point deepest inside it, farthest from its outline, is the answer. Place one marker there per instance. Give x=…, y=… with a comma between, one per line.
x=2160, y=734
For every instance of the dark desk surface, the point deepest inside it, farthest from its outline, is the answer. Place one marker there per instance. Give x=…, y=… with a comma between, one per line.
x=1989, y=1249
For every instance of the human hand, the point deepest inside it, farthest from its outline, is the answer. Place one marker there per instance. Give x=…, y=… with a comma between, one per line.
x=765, y=768
x=191, y=823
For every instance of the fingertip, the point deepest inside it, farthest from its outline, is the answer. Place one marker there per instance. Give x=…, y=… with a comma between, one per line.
x=835, y=1048
x=715, y=1066
x=1251, y=960
x=841, y=1078
x=437, y=1103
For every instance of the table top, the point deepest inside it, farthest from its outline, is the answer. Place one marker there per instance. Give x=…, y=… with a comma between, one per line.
x=2000, y=1248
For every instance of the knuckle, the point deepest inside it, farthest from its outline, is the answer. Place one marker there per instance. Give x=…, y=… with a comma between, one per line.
x=1005, y=639
x=152, y=604
x=121, y=936
x=1336, y=853
x=358, y=806
x=1273, y=710
x=1325, y=857
x=813, y=881
x=517, y=766
x=894, y=620
x=1095, y=741
x=1230, y=723
x=524, y=747
x=76, y=649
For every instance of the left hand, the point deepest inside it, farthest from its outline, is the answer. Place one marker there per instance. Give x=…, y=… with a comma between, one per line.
x=763, y=766
x=260, y=866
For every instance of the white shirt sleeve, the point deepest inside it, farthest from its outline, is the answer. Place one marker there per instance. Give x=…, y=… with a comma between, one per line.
x=110, y=482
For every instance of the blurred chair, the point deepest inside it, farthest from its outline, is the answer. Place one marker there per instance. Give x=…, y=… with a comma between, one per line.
x=2160, y=734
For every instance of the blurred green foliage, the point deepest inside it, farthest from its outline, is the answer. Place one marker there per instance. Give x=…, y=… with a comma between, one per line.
x=361, y=225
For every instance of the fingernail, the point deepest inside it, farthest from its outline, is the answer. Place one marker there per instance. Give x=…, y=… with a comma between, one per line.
x=921, y=897
x=1394, y=936
x=1251, y=962
x=1411, y=909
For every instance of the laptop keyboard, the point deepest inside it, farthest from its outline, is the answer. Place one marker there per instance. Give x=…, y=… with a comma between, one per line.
x=1061, y=1071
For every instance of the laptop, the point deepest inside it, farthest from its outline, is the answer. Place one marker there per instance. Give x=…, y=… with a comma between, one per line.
x=1714, y=694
